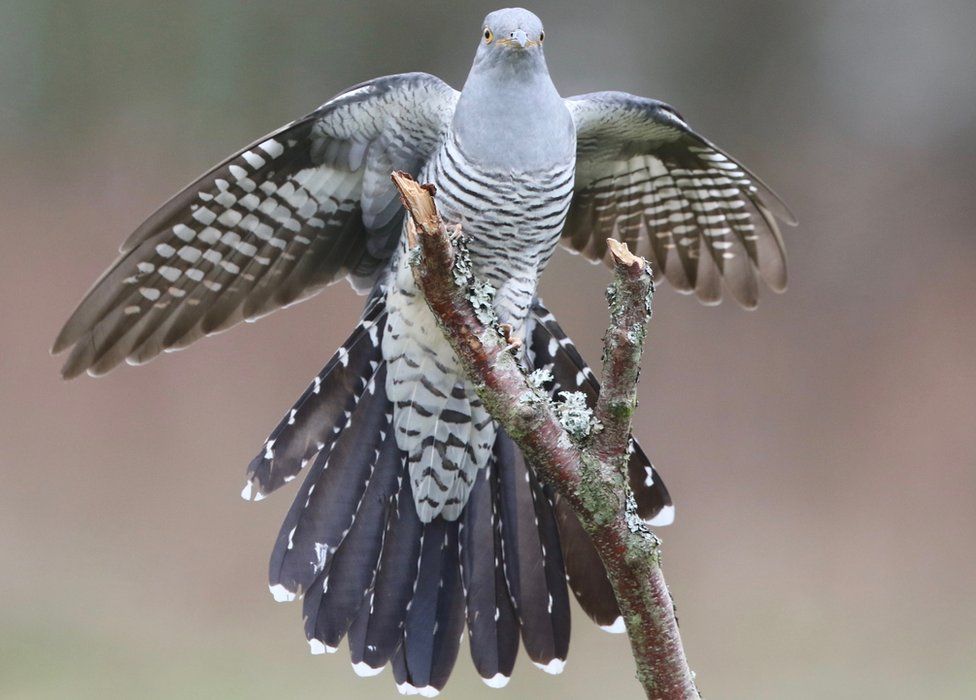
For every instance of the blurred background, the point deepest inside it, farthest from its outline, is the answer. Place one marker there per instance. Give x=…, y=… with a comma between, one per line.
x=820, y=450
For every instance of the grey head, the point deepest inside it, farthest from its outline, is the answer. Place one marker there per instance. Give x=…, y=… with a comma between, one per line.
x=511, y=39
x=510, y=113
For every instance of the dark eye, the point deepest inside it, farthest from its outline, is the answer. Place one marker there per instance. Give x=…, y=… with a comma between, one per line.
x=489, y=35
x=542, y=37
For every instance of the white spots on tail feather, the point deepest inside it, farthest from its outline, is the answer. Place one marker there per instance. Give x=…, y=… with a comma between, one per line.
x=149, y=293
x=322, y=552
x=165, y=250
x=649, y=479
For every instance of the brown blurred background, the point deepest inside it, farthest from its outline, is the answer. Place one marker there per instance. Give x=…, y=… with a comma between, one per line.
x=821, y=450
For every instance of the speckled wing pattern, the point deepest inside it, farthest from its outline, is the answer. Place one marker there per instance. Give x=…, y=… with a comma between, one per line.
x=645, y=177
x=296, y=210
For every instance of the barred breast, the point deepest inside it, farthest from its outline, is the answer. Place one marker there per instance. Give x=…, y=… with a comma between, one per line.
x=512, y=220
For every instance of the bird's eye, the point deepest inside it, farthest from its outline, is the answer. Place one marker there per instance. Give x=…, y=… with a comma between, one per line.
x=542, y=37
x=489, y=35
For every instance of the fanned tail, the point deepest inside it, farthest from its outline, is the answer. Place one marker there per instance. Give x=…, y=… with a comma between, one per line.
x=401, y=590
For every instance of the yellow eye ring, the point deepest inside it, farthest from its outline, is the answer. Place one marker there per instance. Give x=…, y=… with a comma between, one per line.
x=489, y=36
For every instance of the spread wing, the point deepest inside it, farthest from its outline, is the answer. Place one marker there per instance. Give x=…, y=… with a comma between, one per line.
x=296, y=210
x=644, y=177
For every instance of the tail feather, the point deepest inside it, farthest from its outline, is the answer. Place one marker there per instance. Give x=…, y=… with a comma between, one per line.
x=585, y=571
x=337, y=596
x=317, y=524
x=555, y=565
x=314, y=423
x=432, y=632
x=376, y=633
x=534, y=571
x=493, y=628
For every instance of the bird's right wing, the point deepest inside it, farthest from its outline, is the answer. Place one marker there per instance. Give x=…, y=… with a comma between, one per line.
x=296, y=210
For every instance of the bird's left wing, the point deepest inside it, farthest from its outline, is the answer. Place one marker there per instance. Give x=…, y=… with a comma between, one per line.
x=298, y=209
x=645, y=177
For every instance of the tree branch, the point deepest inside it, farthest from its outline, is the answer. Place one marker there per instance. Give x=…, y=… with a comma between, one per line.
x=587, y=466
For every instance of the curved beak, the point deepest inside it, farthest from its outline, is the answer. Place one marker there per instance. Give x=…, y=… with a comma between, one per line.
x=520, y=38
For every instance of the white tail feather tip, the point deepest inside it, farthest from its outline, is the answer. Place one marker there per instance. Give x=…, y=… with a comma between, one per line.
x=554, y=667
x=428, y=691
x=618, y=626
x=364, y=670
x=281, y=594
x=664, y=517
x=317, y=647
x=497, y=681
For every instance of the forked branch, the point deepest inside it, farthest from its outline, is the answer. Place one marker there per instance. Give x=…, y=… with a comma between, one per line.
x=588, y=471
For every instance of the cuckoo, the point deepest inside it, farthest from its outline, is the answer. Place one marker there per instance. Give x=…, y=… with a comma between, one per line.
x=418, y=517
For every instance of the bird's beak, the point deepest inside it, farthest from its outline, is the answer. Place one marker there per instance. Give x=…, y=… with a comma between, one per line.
x=520, y=38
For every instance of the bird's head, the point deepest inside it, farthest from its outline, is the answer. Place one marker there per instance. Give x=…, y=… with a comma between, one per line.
x=510, y=35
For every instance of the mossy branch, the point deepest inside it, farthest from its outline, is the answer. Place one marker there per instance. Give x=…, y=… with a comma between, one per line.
x=586, y=466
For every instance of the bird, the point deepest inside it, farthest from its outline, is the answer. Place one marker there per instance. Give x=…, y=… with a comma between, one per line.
x=418, y=518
